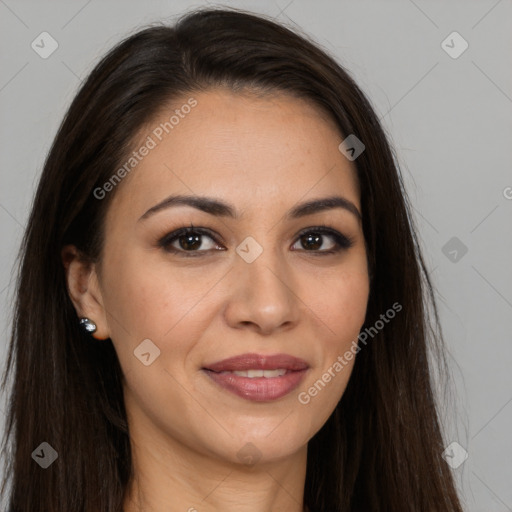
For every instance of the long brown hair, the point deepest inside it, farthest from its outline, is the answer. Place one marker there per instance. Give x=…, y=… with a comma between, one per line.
x=381, y=448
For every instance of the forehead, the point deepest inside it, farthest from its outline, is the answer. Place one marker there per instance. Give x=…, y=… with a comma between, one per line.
x=256, y=151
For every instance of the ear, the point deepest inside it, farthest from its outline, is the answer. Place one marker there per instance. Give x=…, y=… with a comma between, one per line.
x=84, y=290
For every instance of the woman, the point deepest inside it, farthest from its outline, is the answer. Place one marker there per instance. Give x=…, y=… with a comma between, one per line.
x=221, y=301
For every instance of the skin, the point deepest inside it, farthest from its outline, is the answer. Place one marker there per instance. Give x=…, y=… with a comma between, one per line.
x=263, y=155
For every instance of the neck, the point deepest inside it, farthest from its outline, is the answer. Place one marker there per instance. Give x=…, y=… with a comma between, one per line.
x=171, y=476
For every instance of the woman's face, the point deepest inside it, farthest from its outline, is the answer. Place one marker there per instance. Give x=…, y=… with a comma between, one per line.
x=245, y=283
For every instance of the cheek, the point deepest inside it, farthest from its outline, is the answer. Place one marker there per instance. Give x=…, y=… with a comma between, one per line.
x=147, y=299
x=343, y=311
x=344, y=305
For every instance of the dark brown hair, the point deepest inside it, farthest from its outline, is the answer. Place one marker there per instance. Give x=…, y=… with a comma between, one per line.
x=381, y=448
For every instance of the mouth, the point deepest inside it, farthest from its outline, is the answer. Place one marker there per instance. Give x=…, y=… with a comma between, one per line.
x=258, y=378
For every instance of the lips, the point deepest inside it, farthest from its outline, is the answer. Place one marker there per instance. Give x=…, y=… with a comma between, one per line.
x=246, y=362
x=258, y=377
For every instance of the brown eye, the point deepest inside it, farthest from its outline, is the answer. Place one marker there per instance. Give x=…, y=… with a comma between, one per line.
x=188, y=240
x=313, y=239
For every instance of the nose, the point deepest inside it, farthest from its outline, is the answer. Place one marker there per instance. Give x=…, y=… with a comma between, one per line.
x=264, y=296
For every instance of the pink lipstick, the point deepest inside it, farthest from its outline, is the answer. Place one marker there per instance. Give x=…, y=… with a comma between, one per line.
x=258, y=377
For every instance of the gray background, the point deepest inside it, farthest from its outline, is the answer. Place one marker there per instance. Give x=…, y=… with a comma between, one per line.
x=449, y=119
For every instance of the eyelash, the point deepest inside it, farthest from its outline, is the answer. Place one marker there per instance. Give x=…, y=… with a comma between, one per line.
x=342, y=242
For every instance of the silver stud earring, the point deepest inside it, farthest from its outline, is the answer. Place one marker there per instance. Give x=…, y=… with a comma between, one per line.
x=88, y=325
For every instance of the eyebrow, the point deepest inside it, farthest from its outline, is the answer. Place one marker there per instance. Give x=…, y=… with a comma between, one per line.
x=221, y=209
